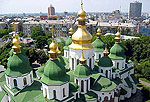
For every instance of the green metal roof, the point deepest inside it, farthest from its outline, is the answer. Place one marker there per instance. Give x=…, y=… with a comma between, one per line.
x=40, y=70
x=99, y=45
x=117, y=52
x=73, y=87
x=134, y=78
x=117, y=80
x=2, y=94
x=82, y=71
x=103, y=84
x=54, y=73
x=89, y=96
x=129, y=83
x=17, y=65
x=105, y=62
x=67, y=43
x=126, y=70
x=123, y=92
x=71, y=74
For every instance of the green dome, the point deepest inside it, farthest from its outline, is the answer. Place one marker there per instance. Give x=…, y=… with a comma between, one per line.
x=12, y=50
x=105, y=62
x=117, y=51
x=17, y=65
x=54, y=73
x=67, y=43
x=40, y=70
x=82, y=71
x=99, y=45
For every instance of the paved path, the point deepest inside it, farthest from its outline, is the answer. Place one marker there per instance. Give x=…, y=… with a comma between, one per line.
x=144, y=83
x=138, y=97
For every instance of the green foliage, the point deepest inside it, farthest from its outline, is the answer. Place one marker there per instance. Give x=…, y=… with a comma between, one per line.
x=41, y=41
x=42, y=57
x=6, y=37
x=60, y=46
x=4, y=52
x=4, y=32
x=146, y=93
x=36, y=32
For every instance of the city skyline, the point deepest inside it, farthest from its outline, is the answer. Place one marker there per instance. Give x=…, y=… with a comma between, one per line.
x=33, y=6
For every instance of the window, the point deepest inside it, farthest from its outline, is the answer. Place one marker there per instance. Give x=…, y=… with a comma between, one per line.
x=106, y=98
x=107, y=73
x=117, y=65
x=72, y=64
x=82, y=86
x=25, y=81
x=90, y=63
x=76, y=81
x=99, y=56
x=77, y=61
x=66, y=54
x=63, y=92
x=15, y=82
x=45, y=93
x=54, y=92
x=31, y=77
x=87, y=84
x=101, y=71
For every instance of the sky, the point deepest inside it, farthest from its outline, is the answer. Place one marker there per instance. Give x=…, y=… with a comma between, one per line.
x=36, y=6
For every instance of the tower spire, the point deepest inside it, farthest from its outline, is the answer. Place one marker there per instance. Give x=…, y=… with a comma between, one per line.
x=117, y=38
x=71, y=29
x=82, y=59
x=106, y=51
x=53, y=47
x=16, y=43
x=81, y=4
x=98, y=30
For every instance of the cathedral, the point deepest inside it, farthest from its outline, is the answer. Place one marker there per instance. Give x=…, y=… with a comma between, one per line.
x=86, y=73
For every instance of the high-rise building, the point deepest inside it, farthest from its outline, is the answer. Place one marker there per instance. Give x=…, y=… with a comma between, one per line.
x=51, y=11
x=135, y=9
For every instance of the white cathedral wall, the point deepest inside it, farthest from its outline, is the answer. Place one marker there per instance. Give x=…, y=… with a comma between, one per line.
x=121, y=64
x=85, y=83
x=102, y=95
x=109, y=69
x=19, y=79
x=76, y=54
x=96, y=57
x=66, y=53
x=49, y=91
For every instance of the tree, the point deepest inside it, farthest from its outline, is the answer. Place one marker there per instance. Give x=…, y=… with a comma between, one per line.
x=6, y=37
x=4, y=32
x=36, y=32
x=41, y=42
x=31, y=53
x=42, y=57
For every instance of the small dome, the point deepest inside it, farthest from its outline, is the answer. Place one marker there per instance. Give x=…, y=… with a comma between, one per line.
x=53, y=46
x=105, y=62
x=68, y=42
x=54, y=73
x=117, y=51
x=17, y=65
x=81, y=13
x=99, y=45
x=82, y=71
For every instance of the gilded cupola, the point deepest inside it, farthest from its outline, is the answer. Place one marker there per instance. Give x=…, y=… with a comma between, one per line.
x=16, y=42
x=81, y=39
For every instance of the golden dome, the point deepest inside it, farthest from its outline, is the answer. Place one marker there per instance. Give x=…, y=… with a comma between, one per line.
x=82, y=59
x=81, y=39
x=71, y=31
x=53, y=46
x=106, y=51
x=98, y=32
x=58, y=51
x=117, y=38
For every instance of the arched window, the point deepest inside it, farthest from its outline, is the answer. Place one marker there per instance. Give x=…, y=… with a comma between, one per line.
x=117, y=65
x=90, y=63
x=77, y=61
x=64, y=92
x=54, y=92
x=25, y=81
x=99, y=56
x=76, y=95
x=15, y=82
x=66, y=54
x=31, y=77
x=72, y=64
x=106, y=98
x=82, y=86
x=101, y=71
x=107, y=73
x=76, y=81
x=87, y=84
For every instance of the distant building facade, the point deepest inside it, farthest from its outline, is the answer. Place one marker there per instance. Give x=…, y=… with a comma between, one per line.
x=135, y=9
x=51, y=11
x=2, y=25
